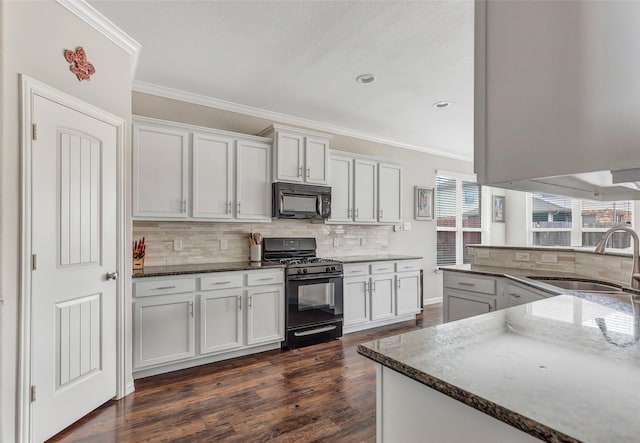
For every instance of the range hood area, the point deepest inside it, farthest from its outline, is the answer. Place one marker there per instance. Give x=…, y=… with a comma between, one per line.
x=597, y=185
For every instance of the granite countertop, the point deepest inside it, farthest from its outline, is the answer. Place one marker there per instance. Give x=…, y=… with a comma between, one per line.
x=544, y=367
x=372, y=258
x=161, y=271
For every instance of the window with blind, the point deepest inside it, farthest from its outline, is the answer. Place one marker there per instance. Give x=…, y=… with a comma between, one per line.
x=458, y=219
x=561, y=221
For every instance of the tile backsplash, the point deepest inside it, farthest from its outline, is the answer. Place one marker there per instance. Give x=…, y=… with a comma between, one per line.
x=201, y=241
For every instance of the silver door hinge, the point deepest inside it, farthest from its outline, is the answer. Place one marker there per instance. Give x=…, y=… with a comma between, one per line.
x=33, y=393
x=34, y=257
x=34, y=131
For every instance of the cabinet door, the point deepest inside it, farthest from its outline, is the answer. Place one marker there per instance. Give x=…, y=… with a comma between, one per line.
x=212, y=177
x=382, y=297
x=316, y=159
x=459, y=305
x=407, y=293
x=389, y=193
x=341, y=189
x=289, y=156
x=253, y=181
x=365, y=183
x=163, y=329
x=160, y=172
x=265, y=314
x=356, y=300
x=220, y=320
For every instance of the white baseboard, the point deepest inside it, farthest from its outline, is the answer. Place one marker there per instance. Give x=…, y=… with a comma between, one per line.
x=432, y=301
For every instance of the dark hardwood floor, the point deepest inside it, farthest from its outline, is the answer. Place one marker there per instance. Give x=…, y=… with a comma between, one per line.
x=324, y=392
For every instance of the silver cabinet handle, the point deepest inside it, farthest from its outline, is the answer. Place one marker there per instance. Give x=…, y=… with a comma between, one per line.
x=308, y=172
x=356, y=213
x=466, y=284
x=112, y=275
x=239, y=304
x=228, y=207
x=250, y=300
x=160, y=288
x=349, y=211
x=184, y=206
x=191, y=308
x=513, y=294
x=266, y=278
x=299, y=171
x=238, y=207
x=366, y=287
x=380, y=214
x=398, y=283
x=220, y=283
x=373, y=286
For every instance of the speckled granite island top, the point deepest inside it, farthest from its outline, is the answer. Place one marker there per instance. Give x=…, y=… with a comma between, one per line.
x=372, y=258
x=161, y=271
x=545, y=368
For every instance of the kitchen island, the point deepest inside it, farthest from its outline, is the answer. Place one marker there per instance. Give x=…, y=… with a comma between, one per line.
x=542, y=370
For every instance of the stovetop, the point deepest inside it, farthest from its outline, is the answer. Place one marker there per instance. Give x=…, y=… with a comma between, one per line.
x=306, y=261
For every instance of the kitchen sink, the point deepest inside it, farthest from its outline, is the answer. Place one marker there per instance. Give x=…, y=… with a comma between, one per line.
x=579, y=285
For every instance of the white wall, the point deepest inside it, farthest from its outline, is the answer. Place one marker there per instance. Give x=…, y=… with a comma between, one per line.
x=419, y=169
x=34, y=36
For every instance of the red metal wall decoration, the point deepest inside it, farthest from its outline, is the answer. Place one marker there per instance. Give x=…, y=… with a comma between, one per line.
x=80, y=66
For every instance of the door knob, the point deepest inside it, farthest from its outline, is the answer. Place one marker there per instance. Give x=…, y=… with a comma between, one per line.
x=112, y=275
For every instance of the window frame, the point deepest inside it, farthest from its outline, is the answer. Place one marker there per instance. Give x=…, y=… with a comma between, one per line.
x=459, y=229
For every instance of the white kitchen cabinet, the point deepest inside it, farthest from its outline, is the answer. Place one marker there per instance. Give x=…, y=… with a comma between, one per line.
x=356, y=300
x=389, y=192
x=265, y=314
x=407, y=293
x=365, y=190
x=300, y=156
x=163, y=329
x=459, y=305
x=160, y=171
x=238, y=313
x=221, y=322
x=230, y=173
x=538, y=100
x=341, y=189
x=380, y=293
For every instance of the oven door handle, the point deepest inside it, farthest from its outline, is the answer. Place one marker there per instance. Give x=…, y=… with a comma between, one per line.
x=313, y=277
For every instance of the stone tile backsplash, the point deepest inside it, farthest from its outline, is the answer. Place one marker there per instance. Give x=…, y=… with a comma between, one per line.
x=201, y=241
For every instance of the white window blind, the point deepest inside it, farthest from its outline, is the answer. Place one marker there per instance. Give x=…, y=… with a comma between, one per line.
x=458, y=219
x=551, y=220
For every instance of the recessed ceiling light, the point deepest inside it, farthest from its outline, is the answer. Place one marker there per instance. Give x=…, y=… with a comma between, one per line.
x=441, y=104
x=366, y=78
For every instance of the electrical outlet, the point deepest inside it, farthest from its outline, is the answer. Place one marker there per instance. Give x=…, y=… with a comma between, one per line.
x=482, y=253
x=549, y=258
x=336, y=242
x=407, y=226
x=523, y=256
x=363, y=241
x=224, y=245
x=177, y=244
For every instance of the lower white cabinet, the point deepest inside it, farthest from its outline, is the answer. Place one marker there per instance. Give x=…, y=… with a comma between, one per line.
x=379, y=293
x=265, y=314
x=164, y=329
x=459, y=305
x=202, y=323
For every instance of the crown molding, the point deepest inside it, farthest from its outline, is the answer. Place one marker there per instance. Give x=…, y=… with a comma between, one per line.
x=106, y=27
x=197, y=99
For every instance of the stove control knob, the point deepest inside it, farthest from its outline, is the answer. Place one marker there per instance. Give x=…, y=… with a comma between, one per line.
x=304, y=271
x=328, y=269
x=299, y=271
x=333, y=268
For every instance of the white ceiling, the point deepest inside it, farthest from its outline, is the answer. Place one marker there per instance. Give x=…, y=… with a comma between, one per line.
x=301, y=58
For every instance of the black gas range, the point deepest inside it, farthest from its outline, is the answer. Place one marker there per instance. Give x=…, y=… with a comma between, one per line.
x=313, y=291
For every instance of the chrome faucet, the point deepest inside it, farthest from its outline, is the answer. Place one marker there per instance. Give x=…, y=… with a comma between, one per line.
x=635, y=273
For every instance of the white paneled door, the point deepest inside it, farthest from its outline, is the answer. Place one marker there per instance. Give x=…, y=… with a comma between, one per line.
x=73, y=297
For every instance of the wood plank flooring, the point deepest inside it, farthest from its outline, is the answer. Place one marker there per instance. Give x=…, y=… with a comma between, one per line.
x=320, y=393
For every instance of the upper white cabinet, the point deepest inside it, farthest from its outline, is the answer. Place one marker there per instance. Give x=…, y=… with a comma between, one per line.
x=299, y=156
x=365, y=190
x=160, y=171
x=229, y=173
x=556, y=93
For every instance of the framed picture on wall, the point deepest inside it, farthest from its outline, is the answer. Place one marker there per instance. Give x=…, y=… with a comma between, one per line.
x=498, y=208
x=424, y=203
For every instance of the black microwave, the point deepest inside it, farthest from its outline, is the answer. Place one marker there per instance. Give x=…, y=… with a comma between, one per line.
x=294, y=200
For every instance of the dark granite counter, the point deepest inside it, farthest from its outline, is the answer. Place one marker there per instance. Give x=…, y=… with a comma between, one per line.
x=162, y=271
x=550, y=368
x=373, y=258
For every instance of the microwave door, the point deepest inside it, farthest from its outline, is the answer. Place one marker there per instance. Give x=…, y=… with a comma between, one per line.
x=297, y=204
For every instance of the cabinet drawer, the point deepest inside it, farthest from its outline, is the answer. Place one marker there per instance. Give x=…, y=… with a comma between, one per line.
x=264, y=278
x=382, y=267
x=470, y=284
x=355, y=270
x=407, y=265
x=160, y=287
x=224, y=281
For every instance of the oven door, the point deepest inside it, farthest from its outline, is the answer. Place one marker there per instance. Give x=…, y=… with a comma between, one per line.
x=313, y=300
